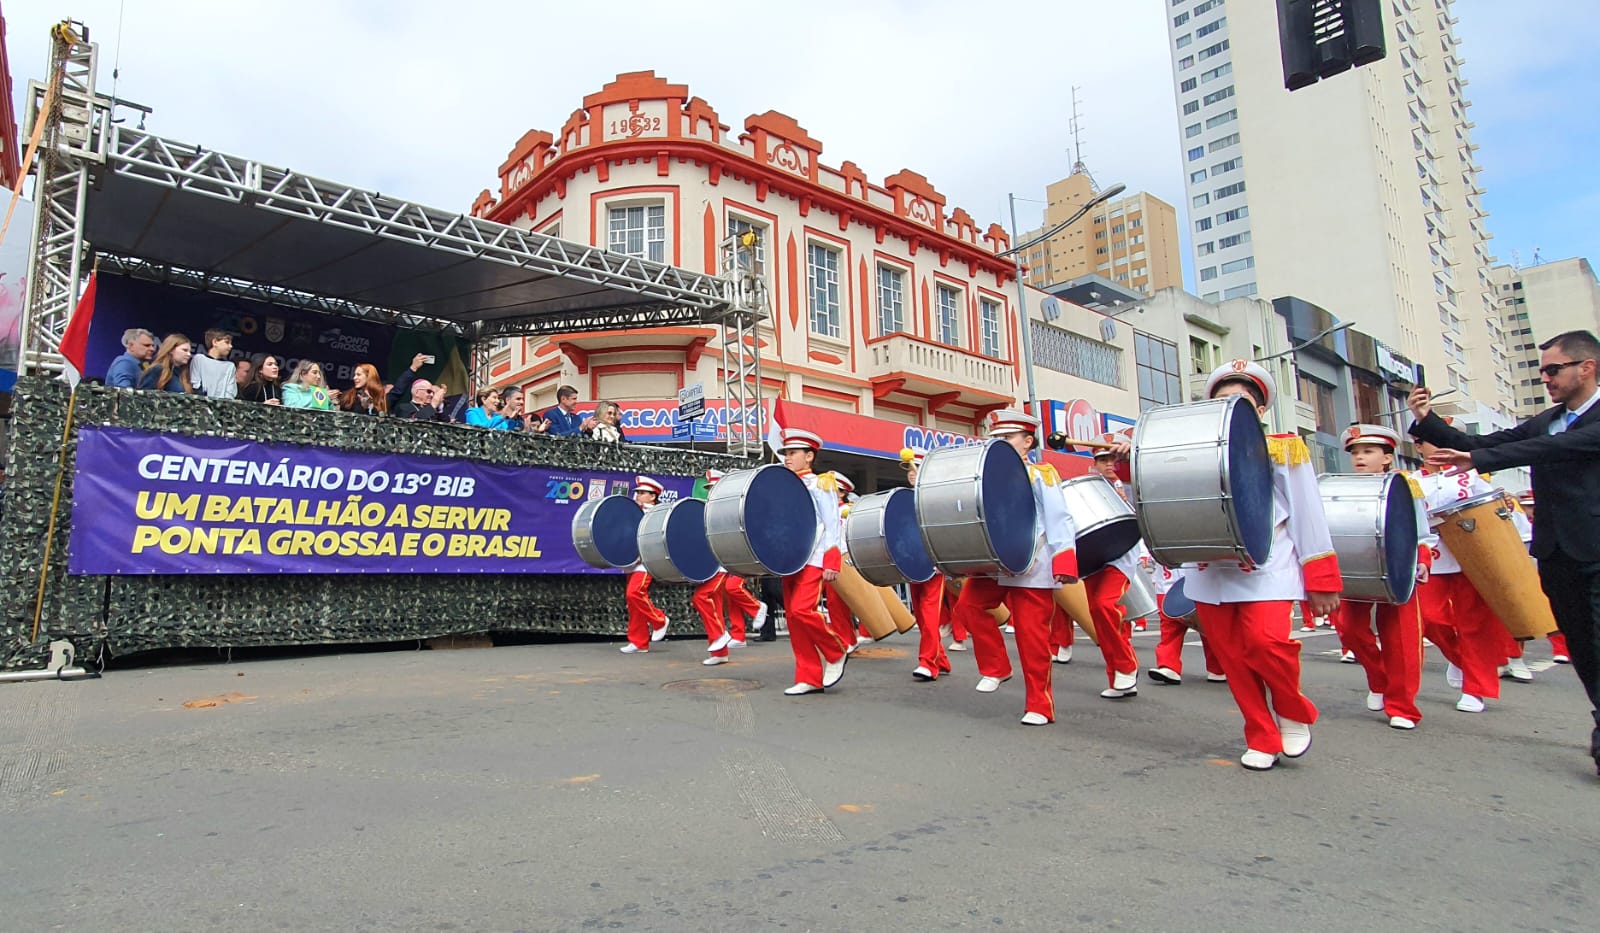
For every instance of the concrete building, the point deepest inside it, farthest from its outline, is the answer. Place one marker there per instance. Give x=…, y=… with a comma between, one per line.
x=1537, y=303
x=1132, y=240
x=1358, y=194
x=892, y=317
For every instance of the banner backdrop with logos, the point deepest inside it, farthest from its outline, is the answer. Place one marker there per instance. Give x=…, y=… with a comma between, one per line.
x=150, y=503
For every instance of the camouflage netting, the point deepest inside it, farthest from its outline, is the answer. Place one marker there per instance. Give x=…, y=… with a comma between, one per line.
x=138, y=613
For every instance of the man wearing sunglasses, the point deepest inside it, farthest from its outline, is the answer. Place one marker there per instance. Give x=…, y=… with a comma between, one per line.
x=1562, y=445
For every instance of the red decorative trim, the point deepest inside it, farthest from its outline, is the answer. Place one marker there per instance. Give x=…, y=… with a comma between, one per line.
x=794, y=283
x=691, y=353
x=821, y=357
x=883, y=385
x=578, y=355
x=937, y=402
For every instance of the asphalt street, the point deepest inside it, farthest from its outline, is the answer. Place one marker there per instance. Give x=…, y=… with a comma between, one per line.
x=570, y=787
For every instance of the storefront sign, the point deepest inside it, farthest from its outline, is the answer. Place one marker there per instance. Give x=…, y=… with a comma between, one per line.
x=147, y=503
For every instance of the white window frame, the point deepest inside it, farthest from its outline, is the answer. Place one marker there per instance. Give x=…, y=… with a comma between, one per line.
x=652, y=236
x=989, y=313
x=947, y=315
x=825, y=320
x=898, y=295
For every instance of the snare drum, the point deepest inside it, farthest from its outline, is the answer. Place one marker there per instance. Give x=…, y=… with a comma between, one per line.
x=976, y=511
x=672, y=543
x=761, y=522
x=884, y=541
x=1202, y=482
x=605, y=532
x=1177, y=605
x=1373, y=520
x=1480, y=533
x=1105, y=523
x=1139, y=600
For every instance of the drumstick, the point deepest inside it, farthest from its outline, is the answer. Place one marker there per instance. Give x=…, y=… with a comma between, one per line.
x=1097, y=445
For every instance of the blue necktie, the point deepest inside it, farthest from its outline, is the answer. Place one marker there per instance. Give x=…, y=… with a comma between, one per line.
x=1571, y=417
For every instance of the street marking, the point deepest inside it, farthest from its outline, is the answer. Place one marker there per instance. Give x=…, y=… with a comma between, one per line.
x=785, y=814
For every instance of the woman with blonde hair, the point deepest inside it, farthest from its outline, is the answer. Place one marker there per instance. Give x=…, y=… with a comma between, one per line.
x=366, y=395
x=307, y=389
x=169, y=371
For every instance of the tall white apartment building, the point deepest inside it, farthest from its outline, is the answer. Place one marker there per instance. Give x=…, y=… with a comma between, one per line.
x=1358, y=194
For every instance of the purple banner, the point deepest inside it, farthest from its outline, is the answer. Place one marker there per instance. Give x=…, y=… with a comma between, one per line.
x=170, y=503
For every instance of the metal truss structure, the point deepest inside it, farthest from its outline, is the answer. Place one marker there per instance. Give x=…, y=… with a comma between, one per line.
x=175, y=213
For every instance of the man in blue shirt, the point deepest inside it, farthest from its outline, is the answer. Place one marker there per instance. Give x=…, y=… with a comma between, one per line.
x=564, y=420
x=125, y=370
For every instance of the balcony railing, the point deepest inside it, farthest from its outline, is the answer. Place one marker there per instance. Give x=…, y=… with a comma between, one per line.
x=903, y=354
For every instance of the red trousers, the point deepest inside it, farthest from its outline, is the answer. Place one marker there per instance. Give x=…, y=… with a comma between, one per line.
x=1106, y=588
x=1251, y=641
x=742, y=606
x=927, y=605
x=809, y=637
x=643, y=616
x=1061, y=630
x=1031, y=610
x=958, y=629
x=1169, y=650
x=708, y=603
x=1558, y=645
x=840, y=621
x=1466, y=631
x=1392, y=659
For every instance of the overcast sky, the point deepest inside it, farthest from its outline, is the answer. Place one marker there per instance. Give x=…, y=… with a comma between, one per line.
x=423, y=99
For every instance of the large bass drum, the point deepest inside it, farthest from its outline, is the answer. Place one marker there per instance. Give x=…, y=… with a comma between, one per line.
x=1202, y=482
x=761, y=522
x=884, y=541
x=1105, y=523
x=976, y=510
x=672, y=543
x=1373, y=520
x=605, y=532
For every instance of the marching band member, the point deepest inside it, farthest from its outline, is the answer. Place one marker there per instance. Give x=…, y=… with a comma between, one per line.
x=714, y=596
x=1106, y=588
x=819, y=654
x=1062, y=636
x=1455, y=617
x=1029, y=596
x=1392, y=659
x=840, y=619
x=646, y=623
x=1105, y=463
x=1169, y=650
x=927, y=599
x=1245, y=610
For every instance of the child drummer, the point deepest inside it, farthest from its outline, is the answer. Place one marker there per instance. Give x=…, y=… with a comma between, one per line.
x=1245, y=609
x=1030, y=596
x=1392, y=660
x=927, y=599
x=646, y=623
x=819, y=655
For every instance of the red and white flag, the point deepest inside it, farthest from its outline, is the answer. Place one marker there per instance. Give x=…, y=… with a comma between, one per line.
x=774, y=430
x=75, y=339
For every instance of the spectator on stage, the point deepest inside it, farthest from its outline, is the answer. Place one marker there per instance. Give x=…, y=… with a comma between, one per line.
x=486, y=414
x=401, y=389
x=606, y=425
x=425, y=404
x=139, y=346
x=516, y=422
x=169, y=371
x=564, y=420
x=266, y=380
x=307, y=389
x=213, y=374
x=366, y=395
x=242, y=371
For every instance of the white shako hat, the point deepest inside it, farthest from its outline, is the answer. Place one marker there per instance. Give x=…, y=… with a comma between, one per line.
x=1375, y=434
x=1011, y=421
x=1244, y=370
x=646, y=484
x=796, y=439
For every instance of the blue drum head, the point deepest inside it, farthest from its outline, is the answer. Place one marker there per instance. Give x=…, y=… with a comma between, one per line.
x=616, y=530
x=1250, y=479
x=687, y=546
x=1400, y=539
x=1177, y=603
x=904, y=537
x=1010, y=515
x=1105, y=544
x=780, y=520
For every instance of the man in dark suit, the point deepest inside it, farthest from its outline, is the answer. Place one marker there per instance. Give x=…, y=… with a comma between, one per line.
x=1562, y=444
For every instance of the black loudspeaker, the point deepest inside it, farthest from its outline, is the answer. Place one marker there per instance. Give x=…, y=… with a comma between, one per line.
x=1321, y=38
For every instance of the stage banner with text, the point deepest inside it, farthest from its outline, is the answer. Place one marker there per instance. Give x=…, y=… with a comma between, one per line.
x=148, y=503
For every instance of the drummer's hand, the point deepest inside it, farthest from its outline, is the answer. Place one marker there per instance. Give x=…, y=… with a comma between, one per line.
x=1065, y=580
x=1422, y=574
x=1456, y=461
x=1420, y=401
x=1323, y=604
x=1122, y=450
x=828, y=576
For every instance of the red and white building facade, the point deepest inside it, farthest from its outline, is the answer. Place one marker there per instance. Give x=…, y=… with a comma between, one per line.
x=892, y=317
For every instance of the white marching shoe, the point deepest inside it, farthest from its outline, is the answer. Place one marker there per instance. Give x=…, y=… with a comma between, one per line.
x=759, y=619
x=1518, y=670
x=990, y=684
x=736, y=643
x=1122, y=686
x=1400, y=722
x=1296, y=737
x=863, y=639
x=660, y=633
x=1253, y=760
x=1452, y=677
x=1063, y=655
x=630, y=649
x=1375, y=702
x=1009, y=629
x=1216, y=678
x=800, y=690
x=1034, y=719
x=714, y=660
x=922, y=673
x=1348, y=657
x=722, y=642
x=833, y=672
x=1469, y=704
x=957, y=646
x=1164, y=675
